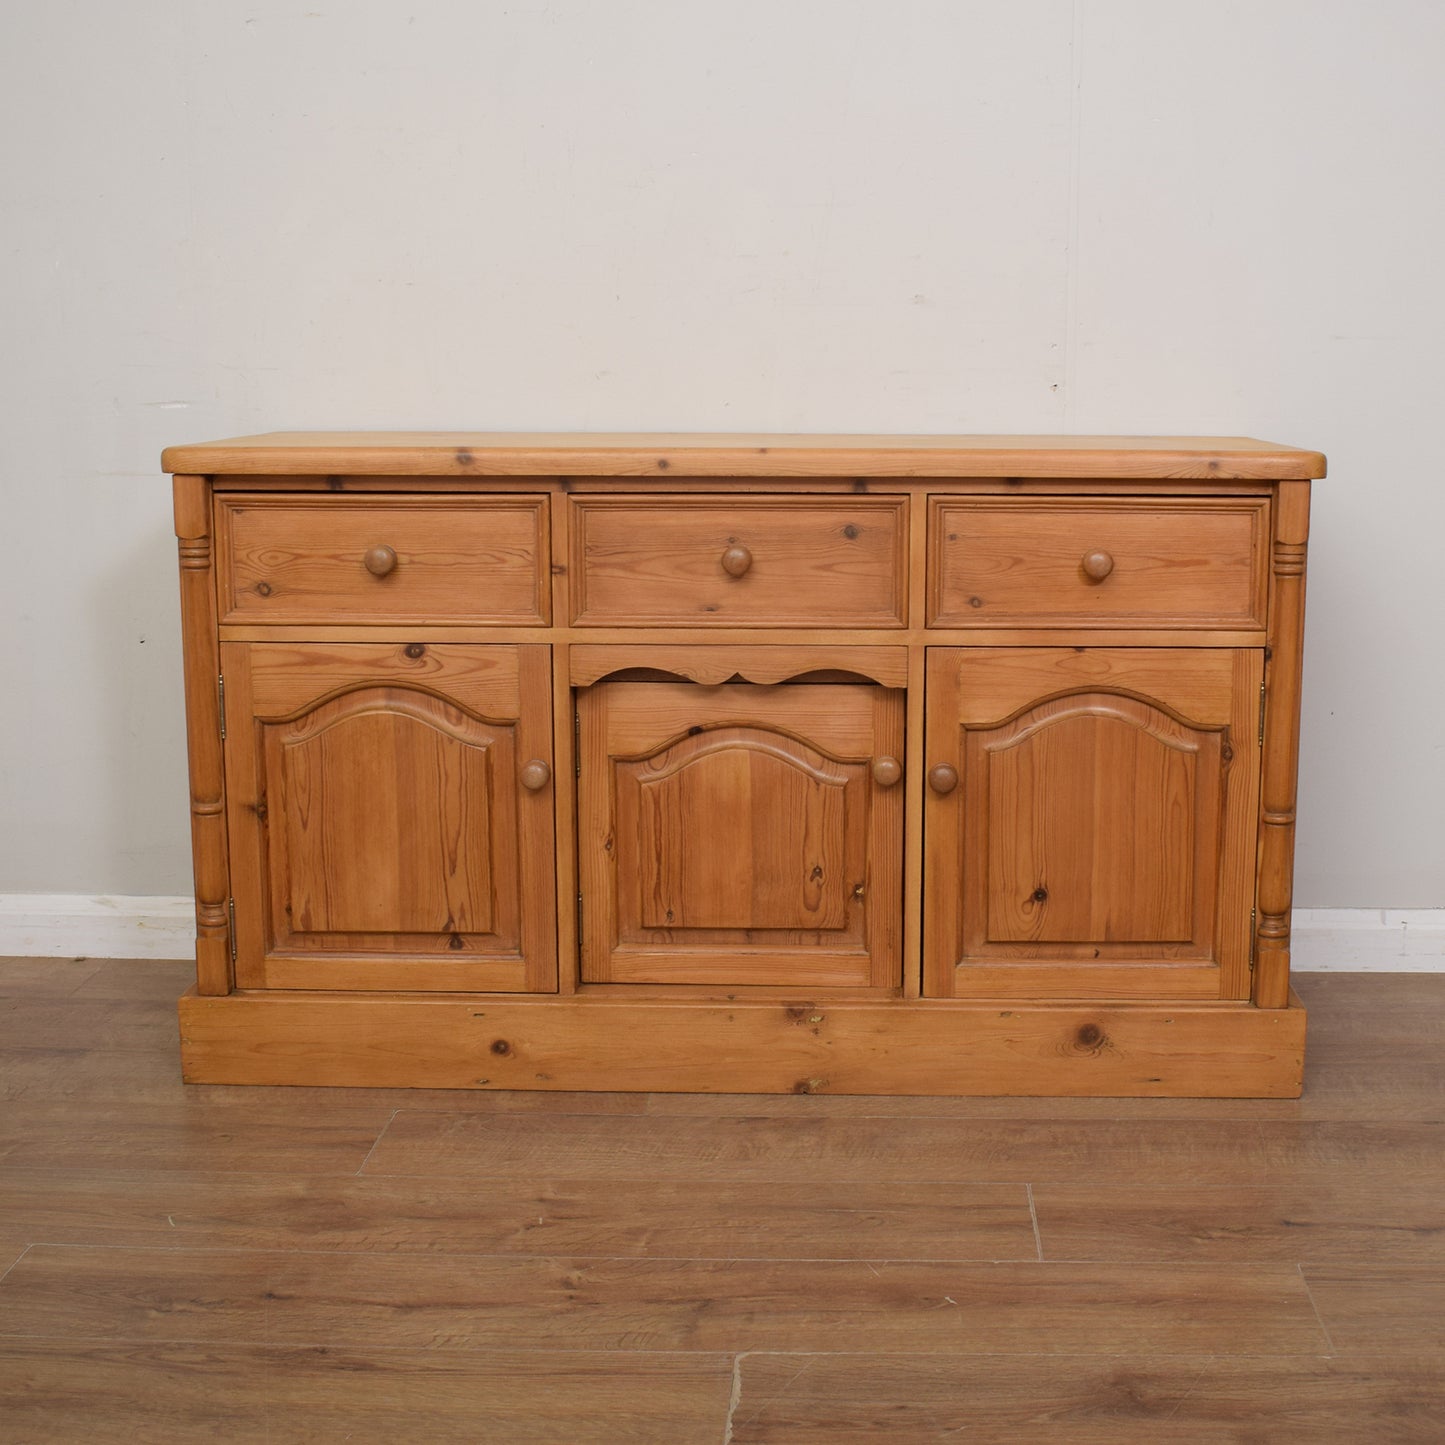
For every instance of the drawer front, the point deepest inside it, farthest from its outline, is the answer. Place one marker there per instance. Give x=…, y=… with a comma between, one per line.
x=745, y=561
x=1191, y=562
x=374, y=559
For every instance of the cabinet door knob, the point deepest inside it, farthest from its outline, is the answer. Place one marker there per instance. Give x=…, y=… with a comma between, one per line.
x=380, y=560
x=886, y=771
x=736, y=560
x=943, y=779
x=535, y=775
x=1097, y=564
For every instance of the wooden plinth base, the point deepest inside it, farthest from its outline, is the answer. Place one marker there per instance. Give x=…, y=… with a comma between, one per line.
x=680, y=1046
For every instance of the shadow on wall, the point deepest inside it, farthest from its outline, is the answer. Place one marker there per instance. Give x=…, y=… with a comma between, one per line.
x=137, y=693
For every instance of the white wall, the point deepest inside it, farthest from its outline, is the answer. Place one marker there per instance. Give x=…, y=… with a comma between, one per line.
x=906, y=215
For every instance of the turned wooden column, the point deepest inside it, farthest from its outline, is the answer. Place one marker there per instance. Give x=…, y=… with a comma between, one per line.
x=214, y=973
x=1280, y=759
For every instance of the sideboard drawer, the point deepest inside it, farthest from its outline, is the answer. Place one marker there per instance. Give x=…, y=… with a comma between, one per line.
x=1085, y=562
x=740, y=561
x=382, y=559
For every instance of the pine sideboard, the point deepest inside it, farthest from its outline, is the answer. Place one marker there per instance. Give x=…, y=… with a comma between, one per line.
x=860, y=764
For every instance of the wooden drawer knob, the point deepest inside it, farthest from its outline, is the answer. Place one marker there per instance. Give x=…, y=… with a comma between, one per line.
x=1097, y=564
x=943, y=779
x=380, y=560
x=886, y=771
x=736, y=560
x=536, y=775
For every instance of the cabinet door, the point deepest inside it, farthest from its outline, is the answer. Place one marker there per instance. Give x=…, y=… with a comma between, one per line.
x=1099, y=840
x=385, y=832
x=741, y=834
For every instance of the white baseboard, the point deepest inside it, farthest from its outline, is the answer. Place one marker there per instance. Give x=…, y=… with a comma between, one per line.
x=71, y=925
x=1368, y=940
x=78, y=925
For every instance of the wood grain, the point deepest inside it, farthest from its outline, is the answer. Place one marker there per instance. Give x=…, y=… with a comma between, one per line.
x=296, y=674
x=201, y=668
x=1017, y=562
x=1182, y=1400
x=1116, y=595
x=1135, y=1152
x=810, y=562
x=736, y=835
x=1280, y=764
x=381, y=833
x=1360, y=999
x=1377, y=1308
x=661, y=1218
x=152, y=1076
x=582, y=484
x=1102, y=838
x=1375, y=1043
x=812, y=1045
x=666, y=454
x=63, y=1392
x=215, y=1265
x=302, y=559
x=38, y=1021
x=711, y=665
x=186, y=1138
x=47, y=977
x=1391, y=1214
x=79, y=1074
x=465, y=1302
x=132, y=980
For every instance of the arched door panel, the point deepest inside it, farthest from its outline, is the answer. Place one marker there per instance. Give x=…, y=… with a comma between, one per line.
x=737, y=835
x=381, y=834
x=1100, y=840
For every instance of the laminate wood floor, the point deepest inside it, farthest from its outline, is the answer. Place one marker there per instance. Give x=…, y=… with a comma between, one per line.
x=278, y=1265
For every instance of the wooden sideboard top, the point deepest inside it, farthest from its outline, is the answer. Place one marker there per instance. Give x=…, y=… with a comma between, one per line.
x=658, y=455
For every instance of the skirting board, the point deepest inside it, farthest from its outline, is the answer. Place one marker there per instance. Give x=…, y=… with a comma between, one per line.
x=81, y=925
x=73, y=925
x=1368, y=940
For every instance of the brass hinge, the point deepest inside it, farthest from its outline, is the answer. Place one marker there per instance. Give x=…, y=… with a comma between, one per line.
x=221, y=700
x=1253, y=939
x=1261, y=714
x=577, y=748
x=231, y=912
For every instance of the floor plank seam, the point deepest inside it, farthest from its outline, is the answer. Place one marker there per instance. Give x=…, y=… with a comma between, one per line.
x=15, y=1261
x=777, y=1394
x=571, y=1256
x=1319, y=1318
x=1198, y=1380
x=380, y=1136
x=735, y=1394
x=867, y=1260
x=940, y=1356
x=967, y=1112
x=331, y=1347
x=1181, y=1226
x=714, y=1180
x=90, y=977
